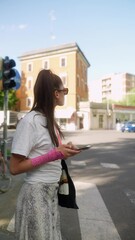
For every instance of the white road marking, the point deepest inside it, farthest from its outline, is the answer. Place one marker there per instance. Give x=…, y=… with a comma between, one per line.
x=11, y=225
x=110, y=165
x=95, y=220
x=131, y=195
x=78, y=163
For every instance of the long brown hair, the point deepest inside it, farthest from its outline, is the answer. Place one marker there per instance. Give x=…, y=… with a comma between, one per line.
x=44, y=87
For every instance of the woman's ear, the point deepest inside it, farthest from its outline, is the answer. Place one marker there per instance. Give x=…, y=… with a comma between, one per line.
x=56, y=98
x=56, y=94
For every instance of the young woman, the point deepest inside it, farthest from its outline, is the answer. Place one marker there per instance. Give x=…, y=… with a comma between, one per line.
x=36, y=150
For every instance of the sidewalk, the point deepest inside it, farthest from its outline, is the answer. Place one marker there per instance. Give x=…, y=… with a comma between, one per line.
x=91, y=222
x=69, y=217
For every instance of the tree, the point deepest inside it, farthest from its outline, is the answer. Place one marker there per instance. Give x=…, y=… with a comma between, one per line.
x=12, y=100
x=129, y=99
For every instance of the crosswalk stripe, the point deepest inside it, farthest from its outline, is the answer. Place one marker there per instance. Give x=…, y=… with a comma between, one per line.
x=131, y=195
x=78, y=163
x=11, y=225
x=95, y=220
x=109, y=165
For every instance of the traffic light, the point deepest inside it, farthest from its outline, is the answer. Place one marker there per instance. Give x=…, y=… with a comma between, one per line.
x=10, y=76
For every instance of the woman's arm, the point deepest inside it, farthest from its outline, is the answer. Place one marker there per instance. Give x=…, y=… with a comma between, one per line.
x=21, y=164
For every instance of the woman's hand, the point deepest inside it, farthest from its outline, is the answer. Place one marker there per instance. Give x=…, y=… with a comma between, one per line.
x=72, y=146
x=68, y=150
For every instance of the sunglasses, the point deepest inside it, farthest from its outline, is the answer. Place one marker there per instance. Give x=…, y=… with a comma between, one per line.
x=64, y=90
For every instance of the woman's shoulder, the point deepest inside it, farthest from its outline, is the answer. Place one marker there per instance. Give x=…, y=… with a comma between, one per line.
x=36, y=118
x=33, y=114
x=33, y=117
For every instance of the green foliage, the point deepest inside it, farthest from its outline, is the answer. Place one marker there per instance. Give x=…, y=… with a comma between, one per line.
x=12, y=99
x=8, y=152
x=129, y=99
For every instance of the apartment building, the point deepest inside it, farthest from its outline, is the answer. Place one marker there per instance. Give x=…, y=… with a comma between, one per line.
x=69, y=62
x=112, y=87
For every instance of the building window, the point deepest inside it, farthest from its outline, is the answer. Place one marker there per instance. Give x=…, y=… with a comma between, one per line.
x=78, y=63
x=64, y=80
x=29, y=83
x=46, y=64
x=83, y=84
x=63, y=77
x=63, y=61
x=65, y=101
x=29, y=67
x=78, y=101
x=29, y=102
x=78, y=81
x=133, y=84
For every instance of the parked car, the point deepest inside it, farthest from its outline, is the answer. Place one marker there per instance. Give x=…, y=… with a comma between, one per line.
x=128, y=126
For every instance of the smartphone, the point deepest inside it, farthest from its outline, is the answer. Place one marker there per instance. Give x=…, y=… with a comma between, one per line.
x=84, y=147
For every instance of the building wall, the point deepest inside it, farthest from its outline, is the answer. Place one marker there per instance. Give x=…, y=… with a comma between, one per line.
x=73, y=74
x=112, y=87
x=76, y=65
x=101, y=119
x=95, y=91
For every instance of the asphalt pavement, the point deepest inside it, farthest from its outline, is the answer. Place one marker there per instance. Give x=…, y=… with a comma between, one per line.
x=103, y=178
x=84, y=224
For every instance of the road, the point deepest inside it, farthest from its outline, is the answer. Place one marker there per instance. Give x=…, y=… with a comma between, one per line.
x=110, y=166
x=104, y=177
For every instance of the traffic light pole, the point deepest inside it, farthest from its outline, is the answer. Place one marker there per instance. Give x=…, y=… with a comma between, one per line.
x=10, y=80
x=5, y=123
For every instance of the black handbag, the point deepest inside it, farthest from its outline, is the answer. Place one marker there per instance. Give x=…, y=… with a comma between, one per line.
x=66, y=191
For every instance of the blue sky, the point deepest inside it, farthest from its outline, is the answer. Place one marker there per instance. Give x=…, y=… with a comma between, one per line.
x=103, y=29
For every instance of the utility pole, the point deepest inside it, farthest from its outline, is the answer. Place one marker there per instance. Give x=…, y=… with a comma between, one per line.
x=107, y=107
x=5, y=123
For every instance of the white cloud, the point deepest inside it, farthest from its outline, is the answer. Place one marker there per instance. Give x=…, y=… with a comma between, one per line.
x=12, y=27
x=52, y=15
x=53, y=37
x=22, y=26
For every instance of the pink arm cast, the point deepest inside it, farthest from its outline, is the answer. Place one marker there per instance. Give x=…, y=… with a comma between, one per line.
x=52, y=155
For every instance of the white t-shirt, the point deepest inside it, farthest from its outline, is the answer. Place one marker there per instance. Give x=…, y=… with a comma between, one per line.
x=32, y=139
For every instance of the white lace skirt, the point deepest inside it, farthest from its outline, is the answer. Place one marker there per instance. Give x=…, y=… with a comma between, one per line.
x=37, y=214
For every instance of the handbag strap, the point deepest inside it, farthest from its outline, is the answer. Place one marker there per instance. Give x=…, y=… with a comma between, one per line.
x=60, y=142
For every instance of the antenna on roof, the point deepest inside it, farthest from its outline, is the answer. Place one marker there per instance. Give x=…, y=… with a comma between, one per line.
x=52, y=18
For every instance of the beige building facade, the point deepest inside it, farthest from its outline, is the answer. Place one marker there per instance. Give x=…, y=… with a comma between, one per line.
x=98, y=116
x=70, y=63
